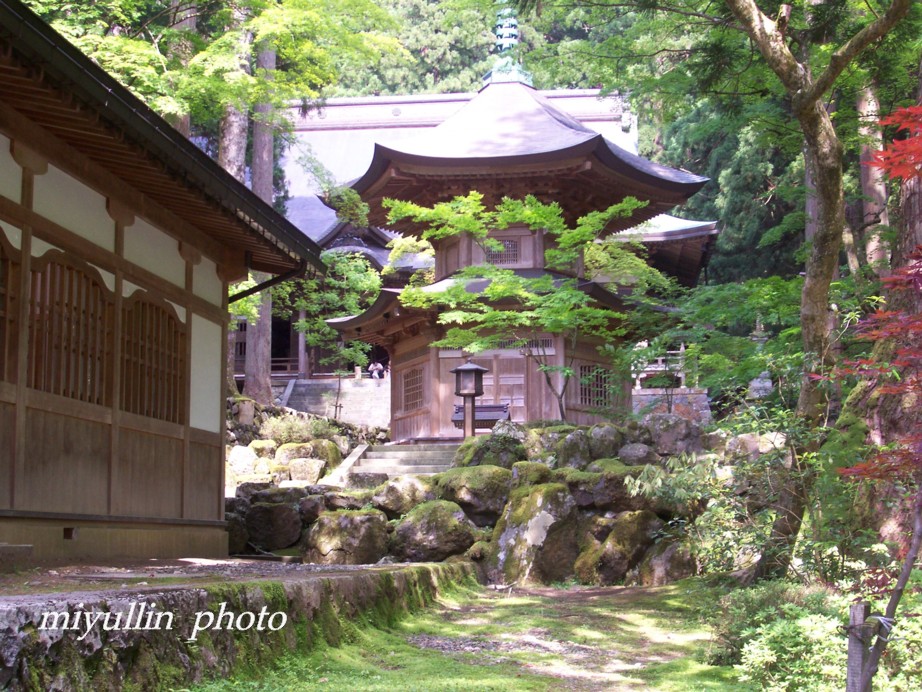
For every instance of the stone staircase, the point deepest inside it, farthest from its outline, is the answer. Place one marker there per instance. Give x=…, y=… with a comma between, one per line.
x=364, y=401
x=402, y=460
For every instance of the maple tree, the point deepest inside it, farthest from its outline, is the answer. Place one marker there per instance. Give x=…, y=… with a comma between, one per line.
x=900, y=377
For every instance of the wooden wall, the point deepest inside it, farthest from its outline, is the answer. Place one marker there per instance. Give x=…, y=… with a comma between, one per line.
x=96, y=361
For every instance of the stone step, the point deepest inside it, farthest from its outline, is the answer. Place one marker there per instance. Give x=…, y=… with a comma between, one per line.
x=403, y=470
x=447, y=448
x=435, y=457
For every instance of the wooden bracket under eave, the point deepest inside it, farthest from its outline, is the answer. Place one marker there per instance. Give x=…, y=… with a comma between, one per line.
x=120, y=212
x=190, y=253
x=233, y=267
x=28, y=158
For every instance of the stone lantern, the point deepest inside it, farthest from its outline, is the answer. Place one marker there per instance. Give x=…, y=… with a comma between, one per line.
x=469, y=385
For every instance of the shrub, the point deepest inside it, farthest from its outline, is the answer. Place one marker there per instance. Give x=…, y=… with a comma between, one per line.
x=285, y=429
x=741, y=614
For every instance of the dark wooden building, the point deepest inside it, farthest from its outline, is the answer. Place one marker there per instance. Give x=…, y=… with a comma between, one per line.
x=118, y=238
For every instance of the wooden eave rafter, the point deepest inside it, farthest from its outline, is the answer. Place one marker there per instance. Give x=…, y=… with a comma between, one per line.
x=58, y=89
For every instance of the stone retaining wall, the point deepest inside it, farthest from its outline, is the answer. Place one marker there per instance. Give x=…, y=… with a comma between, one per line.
x=147, y=650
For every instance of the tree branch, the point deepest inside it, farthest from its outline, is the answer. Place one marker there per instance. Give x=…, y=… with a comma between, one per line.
x=844, y=55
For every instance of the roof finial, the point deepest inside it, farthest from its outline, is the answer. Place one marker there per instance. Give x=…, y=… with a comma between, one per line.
x=505, y=67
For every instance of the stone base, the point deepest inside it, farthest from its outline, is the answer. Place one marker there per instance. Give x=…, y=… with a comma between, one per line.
x=688, y=402
x=78, y=540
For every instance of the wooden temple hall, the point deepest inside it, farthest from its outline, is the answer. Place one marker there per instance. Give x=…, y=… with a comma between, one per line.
x=509, y=140
x=118, y=238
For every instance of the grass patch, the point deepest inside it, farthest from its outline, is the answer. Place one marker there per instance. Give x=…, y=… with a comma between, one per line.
x=535, y=639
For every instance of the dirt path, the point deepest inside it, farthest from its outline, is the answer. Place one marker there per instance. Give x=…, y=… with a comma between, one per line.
x=586, y=638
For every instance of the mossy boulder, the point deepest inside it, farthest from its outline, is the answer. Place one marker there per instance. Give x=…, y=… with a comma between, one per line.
x=510, y=429
x=310, y=508
x=272, y=526
x=638, y=454
x=573, y=451
x=536, y=538
x=605, y=440
x=671, y=434
x=541, y=443
x=315, y=449
x=307, y=470
x=247, y=489
x=490, y=450
x=236, y=505
x=432, y=532
x=346, y=500
x=601, y=491
x=264, y=449
x=610, y=465
x=237, y=534
x=529, y=473
x=279, y=495
x=607, y=562
x=481, y=491
x=397, y=496
x=346, y=537
x=666, y=562
x=243, y=461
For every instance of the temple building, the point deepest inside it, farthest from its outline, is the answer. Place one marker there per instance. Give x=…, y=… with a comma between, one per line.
x=511, y=141
x=118, y=238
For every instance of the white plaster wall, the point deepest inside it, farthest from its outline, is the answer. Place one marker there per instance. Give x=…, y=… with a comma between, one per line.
x=180, y=311
x=155, y=251
x=10, y=173
x=76, y=207
x=207, y=382
x=40, y=247
x=206, y=283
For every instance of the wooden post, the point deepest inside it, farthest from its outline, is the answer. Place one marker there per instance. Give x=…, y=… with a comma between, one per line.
x=857, y=645
x=469, y=415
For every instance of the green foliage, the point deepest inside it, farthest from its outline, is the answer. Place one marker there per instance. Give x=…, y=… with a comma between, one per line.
x=485, y=306
x=740, y=615
x=349, y=286
x=444, y=47
x=285, y=429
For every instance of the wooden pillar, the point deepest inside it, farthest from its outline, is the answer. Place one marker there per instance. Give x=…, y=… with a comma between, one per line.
x=302, y=348
x=123, y=217
x=857, y=645
x=32, y=165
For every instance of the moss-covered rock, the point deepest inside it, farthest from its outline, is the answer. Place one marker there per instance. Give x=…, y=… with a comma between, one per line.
x=279, y=495
x=432, y=532
x=481, y=491
x=529, y=473
x=237, y=534
x=609, y=465
x=489, y=450
x=601, y=491
x=346, y=537
x=608, y=562
x=399, y=495
x=638, y=454
x=310, y=508
x=307, y=470
x=605, y=440
x=315, y=449
x=535, y=540
x=666, y=562
x=541, y=443
x=347, y=499
x=573, y=451
x=671, y=434
x=264, y=449
x=273, y=526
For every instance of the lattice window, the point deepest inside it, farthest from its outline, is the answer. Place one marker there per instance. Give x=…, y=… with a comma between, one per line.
x=542, y=345
x=413, y=389
x=7, y=331
x=71, y=318
x=153, y=361
x=508, y=255
x=594, y=386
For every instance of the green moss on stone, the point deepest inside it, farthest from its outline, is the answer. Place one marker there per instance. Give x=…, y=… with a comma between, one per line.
x=529, y=473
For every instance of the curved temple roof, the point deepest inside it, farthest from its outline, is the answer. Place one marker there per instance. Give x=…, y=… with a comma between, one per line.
x=510, y=140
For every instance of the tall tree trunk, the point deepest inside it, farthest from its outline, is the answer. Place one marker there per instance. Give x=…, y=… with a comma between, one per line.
x=822, y=146
x=232, y=141
x=258, y=368
x=184, y=19
x=873, y=185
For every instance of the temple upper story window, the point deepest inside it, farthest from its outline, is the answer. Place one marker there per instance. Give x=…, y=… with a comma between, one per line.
x=508, y=255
